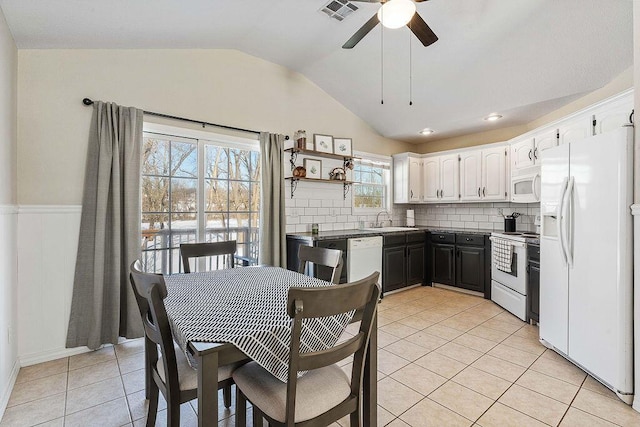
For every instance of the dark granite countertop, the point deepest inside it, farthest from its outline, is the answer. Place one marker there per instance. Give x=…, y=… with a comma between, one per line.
x=347, y=234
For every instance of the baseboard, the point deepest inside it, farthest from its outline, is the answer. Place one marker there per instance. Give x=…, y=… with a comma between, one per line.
x=47, y=356
x=6, y=393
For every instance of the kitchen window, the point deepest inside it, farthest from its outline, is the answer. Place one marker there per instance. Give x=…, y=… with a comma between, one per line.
x=197, y=187
x=371, y=183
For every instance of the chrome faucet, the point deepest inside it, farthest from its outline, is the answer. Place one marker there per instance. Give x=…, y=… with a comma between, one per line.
x=378, y=223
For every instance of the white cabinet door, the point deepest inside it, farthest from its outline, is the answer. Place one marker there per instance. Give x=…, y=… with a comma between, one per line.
x=613, y=114
x=415, y=179
x=576, y=129
x=543, y=141
x=522, y=154
x=431, y=179
x=494, y=174
x=470, y=175
x=401, y=179
x=449, y=178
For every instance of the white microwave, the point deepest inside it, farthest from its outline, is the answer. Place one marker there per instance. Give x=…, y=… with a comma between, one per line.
x=525, y=185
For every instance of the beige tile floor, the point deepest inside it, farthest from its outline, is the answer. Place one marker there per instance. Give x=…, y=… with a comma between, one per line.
x=445, y=359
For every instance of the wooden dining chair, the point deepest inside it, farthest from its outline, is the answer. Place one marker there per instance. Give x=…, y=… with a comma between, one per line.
x=196, y=250
x=325, y=393
x=169, y=373
x=331, y=258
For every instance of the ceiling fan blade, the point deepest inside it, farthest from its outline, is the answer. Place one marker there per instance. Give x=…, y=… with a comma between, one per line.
x=422, y=31
x=363, y=31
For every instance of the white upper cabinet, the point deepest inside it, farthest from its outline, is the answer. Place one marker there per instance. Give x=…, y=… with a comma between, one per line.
x=494, y=173
x=440, y=178
x=483, y=174
x=431, y=179
x=470, y=175
x=545, y=139
x=449, y=178
x=575, y=129
x=612, y=115
x=522, y=153
x=407, y=178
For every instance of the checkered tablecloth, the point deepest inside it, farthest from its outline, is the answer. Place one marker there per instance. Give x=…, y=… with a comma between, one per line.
x=248, y=308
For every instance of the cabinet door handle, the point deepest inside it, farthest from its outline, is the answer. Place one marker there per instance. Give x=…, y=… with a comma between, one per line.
x=478, y=191
x=535, y=153
x=483, y=191
x=468, y=239
x=530, y=153
x=441, y=237
x=411, y=193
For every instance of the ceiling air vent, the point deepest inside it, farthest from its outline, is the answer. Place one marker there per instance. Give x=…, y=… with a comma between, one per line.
x=339, y=9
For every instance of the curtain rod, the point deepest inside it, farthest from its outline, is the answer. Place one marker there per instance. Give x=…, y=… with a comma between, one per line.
x=87, y=101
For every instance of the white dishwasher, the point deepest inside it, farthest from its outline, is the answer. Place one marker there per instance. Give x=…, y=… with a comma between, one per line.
x=364, y=256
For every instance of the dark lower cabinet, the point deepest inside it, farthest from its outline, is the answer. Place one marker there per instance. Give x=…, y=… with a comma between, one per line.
x=442, y=263
x=533, y=285
x=394, y=270
x=415, y=263
x=403, y=260
x=461, y=260
x=470, y=268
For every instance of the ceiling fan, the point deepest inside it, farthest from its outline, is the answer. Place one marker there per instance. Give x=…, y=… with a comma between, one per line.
x=400, y=12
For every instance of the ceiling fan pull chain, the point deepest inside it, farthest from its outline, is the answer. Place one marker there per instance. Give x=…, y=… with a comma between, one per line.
x=410, y=67
x=382, y=61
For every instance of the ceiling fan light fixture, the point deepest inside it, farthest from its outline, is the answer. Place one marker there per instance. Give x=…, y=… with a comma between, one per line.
x=426, y=131
x=396, y=13
x=493, y=117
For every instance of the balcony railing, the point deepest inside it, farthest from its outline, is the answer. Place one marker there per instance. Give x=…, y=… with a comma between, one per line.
x=161, y=247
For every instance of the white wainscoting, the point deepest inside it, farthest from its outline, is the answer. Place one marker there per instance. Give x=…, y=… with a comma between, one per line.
x=8, y=314
x=47, y=247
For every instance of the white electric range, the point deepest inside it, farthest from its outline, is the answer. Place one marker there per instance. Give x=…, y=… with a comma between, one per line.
x=509, y=286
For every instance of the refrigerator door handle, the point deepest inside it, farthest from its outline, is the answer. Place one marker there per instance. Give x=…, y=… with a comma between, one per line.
x=566, y=223
x=559, y=212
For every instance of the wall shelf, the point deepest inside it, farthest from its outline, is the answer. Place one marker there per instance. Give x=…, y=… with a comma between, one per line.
x=346, y=185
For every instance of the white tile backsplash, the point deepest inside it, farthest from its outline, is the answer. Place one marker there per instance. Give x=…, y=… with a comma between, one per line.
x=323, y=203
x=469, y=215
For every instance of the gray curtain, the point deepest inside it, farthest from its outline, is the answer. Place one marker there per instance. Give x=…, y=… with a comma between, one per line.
x=273, y=246
x=103, y=306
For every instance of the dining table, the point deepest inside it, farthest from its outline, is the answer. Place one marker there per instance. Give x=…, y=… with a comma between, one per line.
x=234, y=315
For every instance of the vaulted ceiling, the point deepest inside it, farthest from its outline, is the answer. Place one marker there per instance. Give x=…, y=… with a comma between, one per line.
x=519, y=58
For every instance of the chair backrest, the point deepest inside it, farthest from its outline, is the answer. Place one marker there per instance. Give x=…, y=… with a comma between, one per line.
x=195, y=250
x=304, y=303
x=150, y=291
x=321, y=256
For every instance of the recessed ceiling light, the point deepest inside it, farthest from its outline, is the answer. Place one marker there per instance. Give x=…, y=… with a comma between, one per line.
x=493, y=117
x=426, y=131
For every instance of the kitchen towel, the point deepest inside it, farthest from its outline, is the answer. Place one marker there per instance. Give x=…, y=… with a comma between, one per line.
x=411, y=219
x=502, y=253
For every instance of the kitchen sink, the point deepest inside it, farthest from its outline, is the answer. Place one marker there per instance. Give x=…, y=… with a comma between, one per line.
x=389, y=229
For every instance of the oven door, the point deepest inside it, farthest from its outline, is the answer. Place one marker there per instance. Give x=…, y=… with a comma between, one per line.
x=525, y=187
x=517, y=278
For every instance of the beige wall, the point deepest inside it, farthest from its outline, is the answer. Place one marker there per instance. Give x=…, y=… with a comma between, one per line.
x=8, y=217
x=220, y=86
x=619, y=84
x=8, y=79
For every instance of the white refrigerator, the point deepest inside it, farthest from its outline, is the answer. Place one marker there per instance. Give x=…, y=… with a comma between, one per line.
x=586, y=265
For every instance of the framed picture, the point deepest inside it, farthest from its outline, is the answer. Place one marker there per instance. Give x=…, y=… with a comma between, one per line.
x=323, y=143
x=314, y=168
x=342, y=146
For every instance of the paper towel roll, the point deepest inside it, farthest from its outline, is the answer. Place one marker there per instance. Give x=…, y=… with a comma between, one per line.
x=411, y=220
